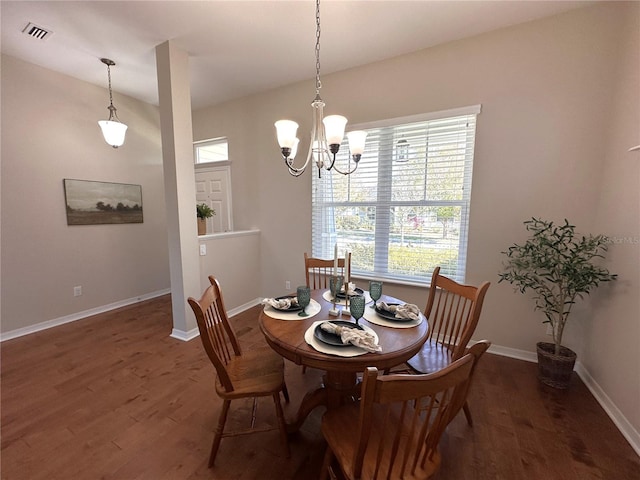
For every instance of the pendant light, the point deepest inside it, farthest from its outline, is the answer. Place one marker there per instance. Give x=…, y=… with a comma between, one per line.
x=113, y=129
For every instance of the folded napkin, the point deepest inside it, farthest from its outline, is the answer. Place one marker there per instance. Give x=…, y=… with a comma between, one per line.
x=407, y=310
x=354, y=336
x=282, y=304
x=351, y=288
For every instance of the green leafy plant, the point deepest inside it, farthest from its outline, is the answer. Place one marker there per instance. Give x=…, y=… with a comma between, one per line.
x=558, y=266
x=204, y=211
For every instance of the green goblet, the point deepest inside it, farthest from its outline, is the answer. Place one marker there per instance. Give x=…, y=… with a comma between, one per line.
x=304, y=298
x=335, y=283
x=357, y=307
x=375, y=291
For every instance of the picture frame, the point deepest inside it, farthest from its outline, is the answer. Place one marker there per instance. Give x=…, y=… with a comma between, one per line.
x=89, y=202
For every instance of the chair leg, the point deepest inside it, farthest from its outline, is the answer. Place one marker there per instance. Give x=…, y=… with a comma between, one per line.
x=283, y=425
x=326, y=464
x=304, y=369
x=285, y=392
x=219, y=430
x=467, y=413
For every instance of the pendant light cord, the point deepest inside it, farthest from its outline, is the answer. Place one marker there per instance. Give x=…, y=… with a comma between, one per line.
x=318, y=83
x=109, y=76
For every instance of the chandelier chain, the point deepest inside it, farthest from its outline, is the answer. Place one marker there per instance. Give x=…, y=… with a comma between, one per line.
x=318, y=83
x=110, y=94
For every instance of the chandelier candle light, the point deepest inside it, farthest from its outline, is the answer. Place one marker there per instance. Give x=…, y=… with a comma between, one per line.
x=113, y=129
x=326, y=134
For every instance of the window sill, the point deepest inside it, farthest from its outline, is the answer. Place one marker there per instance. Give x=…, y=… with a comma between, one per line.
x=392, y=281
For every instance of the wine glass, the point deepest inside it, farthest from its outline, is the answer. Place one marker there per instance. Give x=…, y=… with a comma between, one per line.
x=375, y=291
x=335, y=283
x=304, y=297
x=357, y=307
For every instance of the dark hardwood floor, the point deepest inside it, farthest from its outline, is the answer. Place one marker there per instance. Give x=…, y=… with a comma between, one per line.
x=114, y=397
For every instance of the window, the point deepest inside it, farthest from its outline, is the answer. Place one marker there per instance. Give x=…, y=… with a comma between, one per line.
x=214, y=150
x=406, y=208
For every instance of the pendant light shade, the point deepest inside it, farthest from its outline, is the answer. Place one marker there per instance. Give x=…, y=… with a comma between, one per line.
x=113, y=132
x=113, y=129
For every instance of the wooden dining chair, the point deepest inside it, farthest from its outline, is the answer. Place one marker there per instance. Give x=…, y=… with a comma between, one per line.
x=318, y=271
x=477, y=350
x=396, y=429
x=256, y=372
x=453, y=311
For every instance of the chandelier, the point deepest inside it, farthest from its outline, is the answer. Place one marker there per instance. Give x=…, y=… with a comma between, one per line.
x=326, y=134
x=113, y=129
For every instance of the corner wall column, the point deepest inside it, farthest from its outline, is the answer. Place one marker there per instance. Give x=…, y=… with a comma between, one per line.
x=179, y=184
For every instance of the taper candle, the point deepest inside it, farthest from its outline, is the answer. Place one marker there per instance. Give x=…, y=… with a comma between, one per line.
x=346, y=269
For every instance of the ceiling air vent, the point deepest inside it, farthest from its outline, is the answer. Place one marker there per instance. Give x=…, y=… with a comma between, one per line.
x=35, y=31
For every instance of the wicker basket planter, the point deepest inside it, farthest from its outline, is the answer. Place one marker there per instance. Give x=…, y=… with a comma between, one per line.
x=555, y=370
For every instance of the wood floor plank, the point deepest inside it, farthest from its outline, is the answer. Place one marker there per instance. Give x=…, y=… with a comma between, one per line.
x=114, y=397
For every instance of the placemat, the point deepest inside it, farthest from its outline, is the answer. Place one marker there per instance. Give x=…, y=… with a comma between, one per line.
x=312, y=309
x=350, y=351
x=371, y=316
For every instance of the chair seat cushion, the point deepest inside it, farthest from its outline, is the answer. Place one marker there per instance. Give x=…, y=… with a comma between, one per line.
x=431, y=358
x=258, y=372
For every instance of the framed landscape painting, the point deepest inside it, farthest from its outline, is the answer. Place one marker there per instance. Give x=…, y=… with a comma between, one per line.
x=93, y=203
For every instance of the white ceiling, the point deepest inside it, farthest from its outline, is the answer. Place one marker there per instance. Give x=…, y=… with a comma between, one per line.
x=242, y=47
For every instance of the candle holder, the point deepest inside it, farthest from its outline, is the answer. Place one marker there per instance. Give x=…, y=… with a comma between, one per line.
x=345, y=310
x=335, y=283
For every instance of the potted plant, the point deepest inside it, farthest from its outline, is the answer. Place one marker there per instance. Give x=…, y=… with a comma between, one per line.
x=203, y=211
x=557, y=265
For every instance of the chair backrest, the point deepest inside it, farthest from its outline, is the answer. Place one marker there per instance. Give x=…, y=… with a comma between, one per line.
x=218, y=338
x=411, y=413
x=453, y=311
x=318, y=271
x=476, y=350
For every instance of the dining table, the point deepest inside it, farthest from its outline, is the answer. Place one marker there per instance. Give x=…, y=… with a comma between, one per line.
x=295, y=338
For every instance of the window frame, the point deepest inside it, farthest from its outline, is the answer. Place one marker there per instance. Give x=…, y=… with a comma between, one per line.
x=209, y=142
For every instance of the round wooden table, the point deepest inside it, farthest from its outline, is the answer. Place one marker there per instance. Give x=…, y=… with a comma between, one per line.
x=340, y=381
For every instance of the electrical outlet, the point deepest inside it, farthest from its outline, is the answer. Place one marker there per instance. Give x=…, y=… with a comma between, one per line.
x=287, y=285
x=549, y=329
x=77, y=291
x=203, y=249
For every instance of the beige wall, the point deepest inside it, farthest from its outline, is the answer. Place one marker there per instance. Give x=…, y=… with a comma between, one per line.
x=546, y=90
x=49, y=132
x=233, y=258
x=613, y=332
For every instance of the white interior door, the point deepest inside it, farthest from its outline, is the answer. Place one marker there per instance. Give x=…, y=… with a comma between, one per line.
x=213, y=187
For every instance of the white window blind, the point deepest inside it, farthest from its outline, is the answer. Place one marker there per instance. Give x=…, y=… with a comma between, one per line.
x=406, y=208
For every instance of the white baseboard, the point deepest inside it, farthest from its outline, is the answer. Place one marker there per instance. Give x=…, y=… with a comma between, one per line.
x=19, y=332
x=628, y=431
x=184, y=336
x=513, y=353
x=191, y=334
x=626, y=428
x=242, y=308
